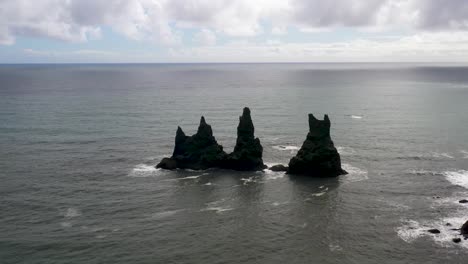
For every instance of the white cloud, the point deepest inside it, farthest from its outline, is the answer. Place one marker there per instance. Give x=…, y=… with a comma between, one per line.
x=79, y=20
x=205, y=37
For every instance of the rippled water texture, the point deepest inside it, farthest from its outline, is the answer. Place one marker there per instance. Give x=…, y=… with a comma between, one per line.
x=78, y=145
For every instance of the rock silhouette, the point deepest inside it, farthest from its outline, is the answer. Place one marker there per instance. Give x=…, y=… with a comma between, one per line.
x=318, y=156
x=197, y=152
x=464, y=229
x=247, y=154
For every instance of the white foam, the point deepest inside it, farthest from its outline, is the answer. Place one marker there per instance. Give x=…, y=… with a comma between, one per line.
x=346, y=151
x=465, y=154
x=208, y=184
x=355, y=174
x=319, y=194
x=248, y=180
x=412, y=230
x=143, y=170
x=441, y=155
x=459, y=177
x=356, y=117
x=190, y=177
x=72, y=212
x=291, y=149
x=335, y=247
x=164, y=214
x=422, y=172
x=274, y=175
x=217, y=209
x=278, y=203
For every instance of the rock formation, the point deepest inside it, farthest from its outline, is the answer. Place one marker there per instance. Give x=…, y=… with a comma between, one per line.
x=318, y=156
x=247, y=154
x=197, y=152
x=278, y=167
x=464, y=229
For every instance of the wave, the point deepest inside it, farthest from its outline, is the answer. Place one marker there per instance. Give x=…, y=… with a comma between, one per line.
x=72, y=212
x=465, y=154
x=143, y=170
x=291, y=149
x=423, y=172
x=355, y=174
x=346, y=151
x=217, y=209
x=191, y=177
x=165, y=214
x=428, y=156
x=273, y=175
x=356, y=117
x=459, y=177
x=412, y=230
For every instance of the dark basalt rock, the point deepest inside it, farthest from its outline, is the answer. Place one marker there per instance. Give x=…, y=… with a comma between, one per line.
x=464, y=229
x=197, y=152
x=279, y=167
x=434, y=231
x=318, y=156
x=463, y=201
x=167, y=164
x=247, y=154
x=456, y=240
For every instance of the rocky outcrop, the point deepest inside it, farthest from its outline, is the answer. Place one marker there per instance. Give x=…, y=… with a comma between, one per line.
x=464, y=229
x=197, y=152
x=247, y=154
x=318, y=156
x=278, y=167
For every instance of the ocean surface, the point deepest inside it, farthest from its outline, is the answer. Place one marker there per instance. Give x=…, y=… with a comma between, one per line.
x=78, y=146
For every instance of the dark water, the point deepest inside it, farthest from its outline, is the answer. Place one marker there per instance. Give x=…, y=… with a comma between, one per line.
x=78, y=144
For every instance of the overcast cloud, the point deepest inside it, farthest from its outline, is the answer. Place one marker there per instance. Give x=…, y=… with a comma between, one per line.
x=164, y=21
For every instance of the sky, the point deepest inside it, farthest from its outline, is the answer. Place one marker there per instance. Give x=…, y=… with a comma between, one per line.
x=158, y=31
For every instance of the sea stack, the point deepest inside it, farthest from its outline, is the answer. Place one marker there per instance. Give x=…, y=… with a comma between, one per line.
x=197, y=152
x=247, y=154
x=318, y=156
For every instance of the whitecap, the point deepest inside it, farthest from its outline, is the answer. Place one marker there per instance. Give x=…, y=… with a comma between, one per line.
x=291, y=149
x=318, y=194
x=355, y=174
x=465, y=154
x=335, y=247
x=422, y=172
x=143, y=170
x=247, y=180
x=459, y=177
x=441, y=155
x=410, y=231
x=190, y=177
x=346, y=151
x=208, y=184
x=356, y=117
x=217, y=209
x=72, y=212
x=165, y=214
x=278, y=203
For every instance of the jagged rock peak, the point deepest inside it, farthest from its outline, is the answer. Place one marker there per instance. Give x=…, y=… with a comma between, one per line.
x=318, y=156
x=204, y=129
x=197, y=152
x=319, y=128
x=247, y=154
x=245, y=129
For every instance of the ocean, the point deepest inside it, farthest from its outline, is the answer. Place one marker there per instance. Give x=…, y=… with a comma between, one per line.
x=78, y=146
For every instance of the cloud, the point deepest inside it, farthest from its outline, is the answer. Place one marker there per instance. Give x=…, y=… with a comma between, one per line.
x=162, y=21
x=205, y=38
